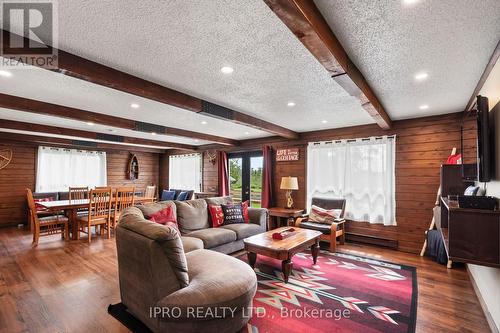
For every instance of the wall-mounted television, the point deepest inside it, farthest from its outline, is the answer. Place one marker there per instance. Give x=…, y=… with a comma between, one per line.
x=485, y=141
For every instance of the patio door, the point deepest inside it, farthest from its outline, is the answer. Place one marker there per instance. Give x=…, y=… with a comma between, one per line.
x=245, y=177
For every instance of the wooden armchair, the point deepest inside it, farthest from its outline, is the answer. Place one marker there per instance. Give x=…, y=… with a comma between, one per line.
x=46, y=225
x=99, y=213
x=330, y=231
x=150, y=193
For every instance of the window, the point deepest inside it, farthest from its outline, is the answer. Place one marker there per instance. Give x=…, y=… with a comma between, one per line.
x=362, y=171
x=184, y=172
x=60, y=168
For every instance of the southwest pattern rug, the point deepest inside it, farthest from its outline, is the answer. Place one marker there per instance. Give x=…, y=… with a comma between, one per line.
x=342, y=293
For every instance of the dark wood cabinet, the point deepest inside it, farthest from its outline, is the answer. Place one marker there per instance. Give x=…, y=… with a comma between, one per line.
x=469, y=235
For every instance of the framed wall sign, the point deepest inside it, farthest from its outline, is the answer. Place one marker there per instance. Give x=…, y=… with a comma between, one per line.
x=291, y=154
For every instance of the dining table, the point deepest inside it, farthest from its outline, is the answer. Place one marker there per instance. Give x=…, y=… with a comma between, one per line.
x=71, y=207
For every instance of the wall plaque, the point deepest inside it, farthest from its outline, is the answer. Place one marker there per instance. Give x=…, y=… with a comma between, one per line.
x=291, y=154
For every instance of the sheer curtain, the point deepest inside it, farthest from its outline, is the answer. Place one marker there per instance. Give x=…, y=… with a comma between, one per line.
x=60, y=168
x=184, y=172
x=362, y=171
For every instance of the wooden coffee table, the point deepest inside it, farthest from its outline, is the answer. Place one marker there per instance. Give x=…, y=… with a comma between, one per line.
x=283, y=250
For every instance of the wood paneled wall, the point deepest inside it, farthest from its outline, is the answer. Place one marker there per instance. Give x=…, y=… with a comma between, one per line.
x=20, y=174
x=422, y=145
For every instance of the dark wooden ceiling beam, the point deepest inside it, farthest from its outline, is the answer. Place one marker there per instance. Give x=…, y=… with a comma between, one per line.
x=38, y=107
x=87, y=70
x=305, y=20
x=78, y=134
x=51, y=141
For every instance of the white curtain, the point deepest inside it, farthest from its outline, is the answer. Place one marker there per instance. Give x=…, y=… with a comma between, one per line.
x=184, y=172
x=60, y=168
x=362, y=171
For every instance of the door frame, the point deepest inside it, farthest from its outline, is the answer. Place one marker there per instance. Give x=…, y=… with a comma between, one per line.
x=245, y=170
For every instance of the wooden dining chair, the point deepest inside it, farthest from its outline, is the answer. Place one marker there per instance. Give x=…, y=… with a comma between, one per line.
x=99, y=213
x=78, y=193
x=124, y=198
x=150, y=192
x=47, y=225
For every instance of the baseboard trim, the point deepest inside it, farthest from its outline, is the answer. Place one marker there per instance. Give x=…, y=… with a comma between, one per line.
x=489, y=318
x=372, y=240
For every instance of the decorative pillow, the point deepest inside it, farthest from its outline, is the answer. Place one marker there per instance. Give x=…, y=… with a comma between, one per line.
x=216, y=215
x=182, y=196
x=321, y=215
x=233, y=214
x=244, y=206
x=40, y=207
x=166, y=217
x=167, y=195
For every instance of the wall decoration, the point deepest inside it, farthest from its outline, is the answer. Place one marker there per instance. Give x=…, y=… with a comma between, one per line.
x=5, y=157
x=133, y=168
x=212, y=157
x=291, y=154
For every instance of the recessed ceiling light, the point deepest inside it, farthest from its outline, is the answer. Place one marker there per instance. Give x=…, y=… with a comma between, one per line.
x=227, y=70
x=247, y=133
x=421, y=76
x=90, y=123
x=203, y=122
x=111, y=130
x=324, y=121
x=291, y=104
x=5, y=74
x=409, y=2
x=423, y=107
x=153, y=133
x=134, y=105
x=196, y=140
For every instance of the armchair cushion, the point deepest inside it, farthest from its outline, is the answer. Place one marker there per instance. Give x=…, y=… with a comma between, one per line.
x=323, y=227
x=320, y=215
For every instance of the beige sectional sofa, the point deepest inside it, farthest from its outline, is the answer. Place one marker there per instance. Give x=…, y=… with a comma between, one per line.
x=196, y=229
x=162, y=271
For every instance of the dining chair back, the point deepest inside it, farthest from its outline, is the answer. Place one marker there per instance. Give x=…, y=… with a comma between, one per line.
x=78, y=193
x=99, y=213
x=124, y=198
x=47, y=225
x=150, y=192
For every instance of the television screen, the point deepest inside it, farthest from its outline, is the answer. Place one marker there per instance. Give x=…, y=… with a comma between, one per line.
x=484, y=154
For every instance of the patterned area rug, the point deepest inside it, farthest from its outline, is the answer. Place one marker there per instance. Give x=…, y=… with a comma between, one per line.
x=342, y=293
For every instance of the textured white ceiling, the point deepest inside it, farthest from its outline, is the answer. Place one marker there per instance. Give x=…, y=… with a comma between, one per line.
x=80, y=125
x=183, y=44
x=451, y=40
x=6, y=130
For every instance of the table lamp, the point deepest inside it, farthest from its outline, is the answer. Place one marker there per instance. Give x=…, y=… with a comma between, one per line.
x=289, y=184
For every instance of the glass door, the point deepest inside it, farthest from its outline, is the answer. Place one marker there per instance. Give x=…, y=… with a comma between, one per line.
x=245, y=177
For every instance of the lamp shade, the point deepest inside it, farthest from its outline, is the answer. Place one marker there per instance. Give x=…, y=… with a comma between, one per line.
x=289, y=183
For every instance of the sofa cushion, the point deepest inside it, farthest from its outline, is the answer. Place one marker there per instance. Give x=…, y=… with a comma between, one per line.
x=213, y=237
x=216, y=280
x=219, y=200
x=150, y=209
x=192, y=215
x=244, y=230
x=166, y=216
x=167, y=195
x=166, y=237
x=233, y=213
x=191, y=243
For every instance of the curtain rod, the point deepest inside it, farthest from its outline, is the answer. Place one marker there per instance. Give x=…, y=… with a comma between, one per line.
x=390, y=137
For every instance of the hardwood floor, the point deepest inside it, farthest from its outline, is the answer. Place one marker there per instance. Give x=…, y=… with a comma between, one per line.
x=67, y=286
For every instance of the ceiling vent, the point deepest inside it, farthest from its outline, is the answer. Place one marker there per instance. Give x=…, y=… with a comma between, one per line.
x=149, y=128
x=216, y=111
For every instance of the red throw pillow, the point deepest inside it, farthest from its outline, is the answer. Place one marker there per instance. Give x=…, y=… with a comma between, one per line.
x=244, y=206
x=40, y=207
x=166, y=217
x=217, y=215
